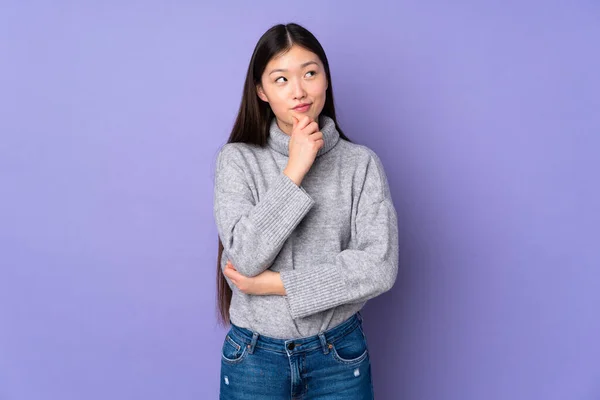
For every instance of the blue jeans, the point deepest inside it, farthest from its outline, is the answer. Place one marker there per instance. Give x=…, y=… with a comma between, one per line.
x=329, y=366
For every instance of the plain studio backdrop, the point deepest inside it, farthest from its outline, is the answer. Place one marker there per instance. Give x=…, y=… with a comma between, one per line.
x=486, y=116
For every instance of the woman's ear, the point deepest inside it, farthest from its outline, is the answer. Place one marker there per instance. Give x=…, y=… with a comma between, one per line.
x=261, y=93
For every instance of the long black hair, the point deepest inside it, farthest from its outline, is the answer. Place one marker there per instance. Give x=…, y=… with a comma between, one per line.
x=254, y=116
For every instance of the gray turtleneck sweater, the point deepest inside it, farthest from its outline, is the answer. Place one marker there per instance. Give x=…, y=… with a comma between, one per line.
x=334, y=239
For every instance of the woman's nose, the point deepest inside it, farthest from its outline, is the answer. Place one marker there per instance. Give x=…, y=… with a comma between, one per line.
x=298, y=89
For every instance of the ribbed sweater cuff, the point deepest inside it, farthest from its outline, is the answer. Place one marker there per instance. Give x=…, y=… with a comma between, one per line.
x=314, y=290
x=280, y=211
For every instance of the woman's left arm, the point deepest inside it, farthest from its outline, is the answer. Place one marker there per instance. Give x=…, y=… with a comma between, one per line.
x=266, y=283
x=361, y=272
x=358, y=274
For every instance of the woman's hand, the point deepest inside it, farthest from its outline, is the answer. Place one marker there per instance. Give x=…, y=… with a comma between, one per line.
x=267, y=282
x=305, y=142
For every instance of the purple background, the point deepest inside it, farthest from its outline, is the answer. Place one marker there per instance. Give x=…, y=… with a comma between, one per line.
x=486, y=117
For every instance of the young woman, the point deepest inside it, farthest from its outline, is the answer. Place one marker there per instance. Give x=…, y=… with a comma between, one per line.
x=308, y=233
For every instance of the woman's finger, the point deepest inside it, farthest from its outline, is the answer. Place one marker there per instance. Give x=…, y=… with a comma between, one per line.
x=232, y=277
x=233, y=274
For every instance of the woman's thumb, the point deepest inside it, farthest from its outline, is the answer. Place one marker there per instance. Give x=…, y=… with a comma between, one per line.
x=294, y=122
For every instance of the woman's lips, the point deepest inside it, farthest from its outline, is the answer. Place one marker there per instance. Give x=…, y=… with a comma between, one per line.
x=303, y=108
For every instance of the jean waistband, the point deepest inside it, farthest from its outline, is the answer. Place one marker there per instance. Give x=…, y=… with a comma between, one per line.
x=252, y=339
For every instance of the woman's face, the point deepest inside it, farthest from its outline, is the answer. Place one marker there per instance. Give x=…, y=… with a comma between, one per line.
x=290, y=79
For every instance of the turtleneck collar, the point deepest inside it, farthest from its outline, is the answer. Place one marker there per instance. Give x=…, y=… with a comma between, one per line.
x=280, y=141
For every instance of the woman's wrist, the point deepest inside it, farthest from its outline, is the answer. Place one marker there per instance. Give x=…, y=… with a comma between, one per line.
x=295, y=177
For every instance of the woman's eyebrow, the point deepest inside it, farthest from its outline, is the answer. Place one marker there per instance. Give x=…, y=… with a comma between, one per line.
x=301, y=66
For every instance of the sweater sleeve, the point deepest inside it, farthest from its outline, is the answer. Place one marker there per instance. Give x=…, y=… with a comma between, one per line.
x=253, y=232
x=366, y=269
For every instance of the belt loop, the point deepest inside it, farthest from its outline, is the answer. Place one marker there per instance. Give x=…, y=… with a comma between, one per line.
x=324, y=343
x=252, y=344
x=359, y=316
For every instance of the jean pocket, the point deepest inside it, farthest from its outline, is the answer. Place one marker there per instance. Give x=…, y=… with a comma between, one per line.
x=233, y=350
x=351, y=348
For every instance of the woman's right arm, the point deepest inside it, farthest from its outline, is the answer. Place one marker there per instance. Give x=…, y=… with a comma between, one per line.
x=253, y=232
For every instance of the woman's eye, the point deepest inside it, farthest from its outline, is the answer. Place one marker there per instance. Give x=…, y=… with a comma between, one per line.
x=279, y=80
